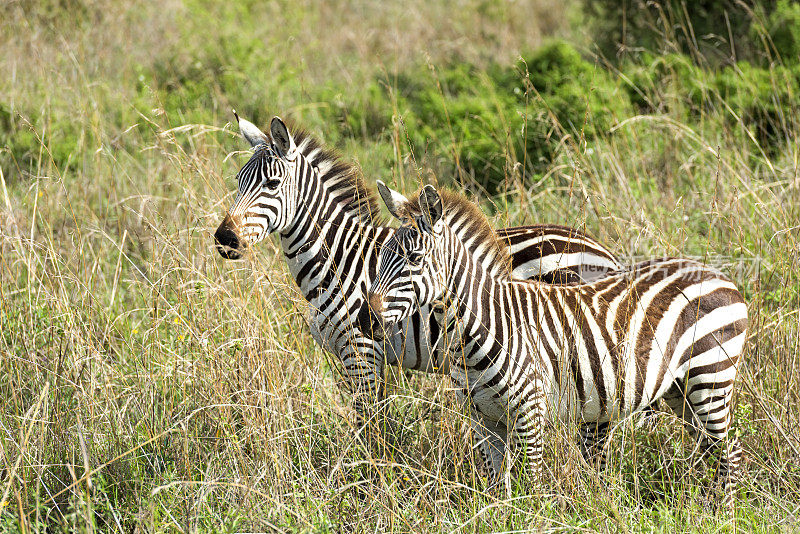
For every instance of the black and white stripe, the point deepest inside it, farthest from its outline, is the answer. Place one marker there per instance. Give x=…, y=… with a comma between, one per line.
x=670, y=329
x=331, y=237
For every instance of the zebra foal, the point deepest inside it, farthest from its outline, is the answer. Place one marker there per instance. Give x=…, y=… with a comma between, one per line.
x=669, y=329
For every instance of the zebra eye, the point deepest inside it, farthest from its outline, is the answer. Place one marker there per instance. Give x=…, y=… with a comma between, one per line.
x=273, y=184
x=414, y=258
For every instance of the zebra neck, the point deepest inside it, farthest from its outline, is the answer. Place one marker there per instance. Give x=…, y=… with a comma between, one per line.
x=317, y=243
x=476, y=293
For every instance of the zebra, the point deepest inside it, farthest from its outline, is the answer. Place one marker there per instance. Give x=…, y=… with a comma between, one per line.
x=331, y=233
x=669, y=329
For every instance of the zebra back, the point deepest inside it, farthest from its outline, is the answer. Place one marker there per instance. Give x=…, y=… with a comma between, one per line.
x=556, y=254
x=669, y=329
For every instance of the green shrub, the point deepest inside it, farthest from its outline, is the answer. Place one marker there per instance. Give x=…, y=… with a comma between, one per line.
x=710, y=28
x=457, y=120
x=783, y=28
x=490, y=120
x=62, y=138
x=364, y=113
x=16, y=140
x=557, y=91
x=760, y=97
x=666, y=83
x=479, y=123
x=582, y=95
x=233, y=65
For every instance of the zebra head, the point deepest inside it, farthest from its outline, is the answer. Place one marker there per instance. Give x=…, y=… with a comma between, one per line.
x=266, y=198
x=410, y=265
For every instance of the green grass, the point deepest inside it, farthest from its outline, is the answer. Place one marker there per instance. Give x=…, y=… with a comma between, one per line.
x=146, y=383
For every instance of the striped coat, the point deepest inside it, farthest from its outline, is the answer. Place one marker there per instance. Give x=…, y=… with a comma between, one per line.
x=669, y=329
x=331, y=237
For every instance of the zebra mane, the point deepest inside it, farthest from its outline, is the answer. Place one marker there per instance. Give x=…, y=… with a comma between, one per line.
x=470, y=224
x=344, y=178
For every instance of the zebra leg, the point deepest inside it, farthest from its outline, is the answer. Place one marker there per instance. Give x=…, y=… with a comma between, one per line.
x=730, y=454
x=707, y=413
x=594, y=437
x=490, y=439
x=675, y=397
x=713, y=409
x=363, y=370
x=529, y=433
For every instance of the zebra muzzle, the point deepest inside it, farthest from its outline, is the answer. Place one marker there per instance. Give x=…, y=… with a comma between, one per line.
x=369, y=320
x=228, y=243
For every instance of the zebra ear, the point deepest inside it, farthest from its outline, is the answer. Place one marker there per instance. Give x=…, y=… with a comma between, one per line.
x=393, y=200
x=250, y=131
x=431, y=204
x=281, y=136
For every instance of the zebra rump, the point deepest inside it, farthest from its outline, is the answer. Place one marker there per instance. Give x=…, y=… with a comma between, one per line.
x=670, y=329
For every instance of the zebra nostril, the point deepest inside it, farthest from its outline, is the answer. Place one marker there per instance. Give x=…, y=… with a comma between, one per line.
x=364, y=319
x=368, y=321
x=227, y=241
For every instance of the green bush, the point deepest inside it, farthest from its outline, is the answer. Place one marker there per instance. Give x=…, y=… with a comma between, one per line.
x=456, y=119
x=583, y=97
x=363, y=114
x=783, y=28
x=61, y=136
x=760, y=97
x=666, y=83
x=709, y=28
x=233, y=65
x=558, y=92
x=16, y=140
x=490, y=120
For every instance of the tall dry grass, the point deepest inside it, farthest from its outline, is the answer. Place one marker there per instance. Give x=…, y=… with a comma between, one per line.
x=149, y=386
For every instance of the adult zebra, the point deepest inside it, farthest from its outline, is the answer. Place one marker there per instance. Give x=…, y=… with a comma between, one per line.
x=671, y=329
x=330, y=238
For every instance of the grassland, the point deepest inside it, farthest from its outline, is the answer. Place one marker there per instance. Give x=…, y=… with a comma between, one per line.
x=148, y=386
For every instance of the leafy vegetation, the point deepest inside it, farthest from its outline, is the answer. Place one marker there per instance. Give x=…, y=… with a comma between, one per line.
x=149, y=385
x=711, y=31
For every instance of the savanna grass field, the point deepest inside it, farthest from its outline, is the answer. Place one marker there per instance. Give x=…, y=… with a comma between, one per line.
x=148, y=385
